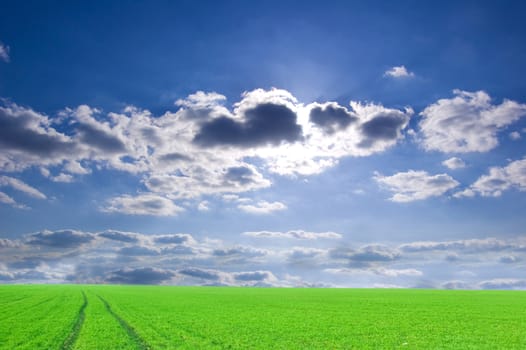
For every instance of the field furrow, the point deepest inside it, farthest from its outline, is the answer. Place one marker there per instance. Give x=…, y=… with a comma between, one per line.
x=141, y=344
x=75, y=331
x=101, y=330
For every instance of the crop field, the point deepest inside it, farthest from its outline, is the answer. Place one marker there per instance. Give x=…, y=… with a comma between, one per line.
x=145, y=317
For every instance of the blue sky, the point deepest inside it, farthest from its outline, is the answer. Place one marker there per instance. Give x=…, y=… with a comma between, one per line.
x=283, y=143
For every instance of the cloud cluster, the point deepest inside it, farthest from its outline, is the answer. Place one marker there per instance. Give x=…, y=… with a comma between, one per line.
x=113, y=256
x=467, y=122
x=203, y=148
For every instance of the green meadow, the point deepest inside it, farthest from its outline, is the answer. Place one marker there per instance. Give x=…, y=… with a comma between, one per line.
x=152, y=317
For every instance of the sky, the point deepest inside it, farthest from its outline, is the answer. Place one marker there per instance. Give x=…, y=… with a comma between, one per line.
x=275, y=143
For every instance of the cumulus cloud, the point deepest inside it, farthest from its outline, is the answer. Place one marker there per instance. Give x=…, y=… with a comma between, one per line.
x=467, y=122
x=454, y=163
x=398, y=72
x=296, y=234
x=4, y=52
x=416, y=185
x=266, y=131
x=60, y=239
x=262, y=207
x=498, y=180
x=467, y=245
x=143, y=204
x=331, y=117
x=145, y=275
x=205, y=274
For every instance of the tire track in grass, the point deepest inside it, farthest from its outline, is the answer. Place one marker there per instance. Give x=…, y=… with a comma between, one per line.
x=74, y=334
x=141, y=343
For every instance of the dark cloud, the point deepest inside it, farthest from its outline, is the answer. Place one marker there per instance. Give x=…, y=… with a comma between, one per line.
x=138, y=251
x=60, y=239
x=24, y=130
x=200, y=273
x=146, y=275
x=241, y=175
x=267, y=123
x=238, y=251
x=125, y=237
x=384, y=127
x=176, y=238
x=25, y=263
x=252, y=276
x=100, y=139
x=331, y=118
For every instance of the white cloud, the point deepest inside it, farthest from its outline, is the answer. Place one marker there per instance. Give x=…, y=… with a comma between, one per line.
x=4, y=52
x=515, y=135
x=454, y=163
x=296, y=234
x=262, y=207
x=498, y=179
x=397, y=272
x=398, y=72
x=21, y=186
x=467, y=122
x=416, y=185
x=143, y=204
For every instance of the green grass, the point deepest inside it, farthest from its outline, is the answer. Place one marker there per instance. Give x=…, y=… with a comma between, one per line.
x=144, y=317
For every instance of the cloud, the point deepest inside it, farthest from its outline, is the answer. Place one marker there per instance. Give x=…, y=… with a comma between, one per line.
x=515, y=135
x=498, y=179
x=176, y=238
x=374, y=253
x=145, y=275
x=138, y=250
x=60, y=239
x=126, y=237
x=4, y=198
x=296, y=234
x=200, y=273
x=468, y=245
x=262, y=207
x=257, y=276
x=416, y=185
x=27, y=138
x=21, y=186
x=7, y=243
x=398, y=272
x=4, y=52
x=504, y=283
x=264, y=124
x=331, y=117
x=398, y=72
x=454, y=163
x=143, y=204
x=467, y=122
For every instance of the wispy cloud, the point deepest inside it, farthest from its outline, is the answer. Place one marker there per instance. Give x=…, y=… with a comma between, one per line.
x=4, y=52
x=262, y=207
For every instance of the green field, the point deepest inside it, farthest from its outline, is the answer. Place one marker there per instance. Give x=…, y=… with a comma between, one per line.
x=147, y=317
